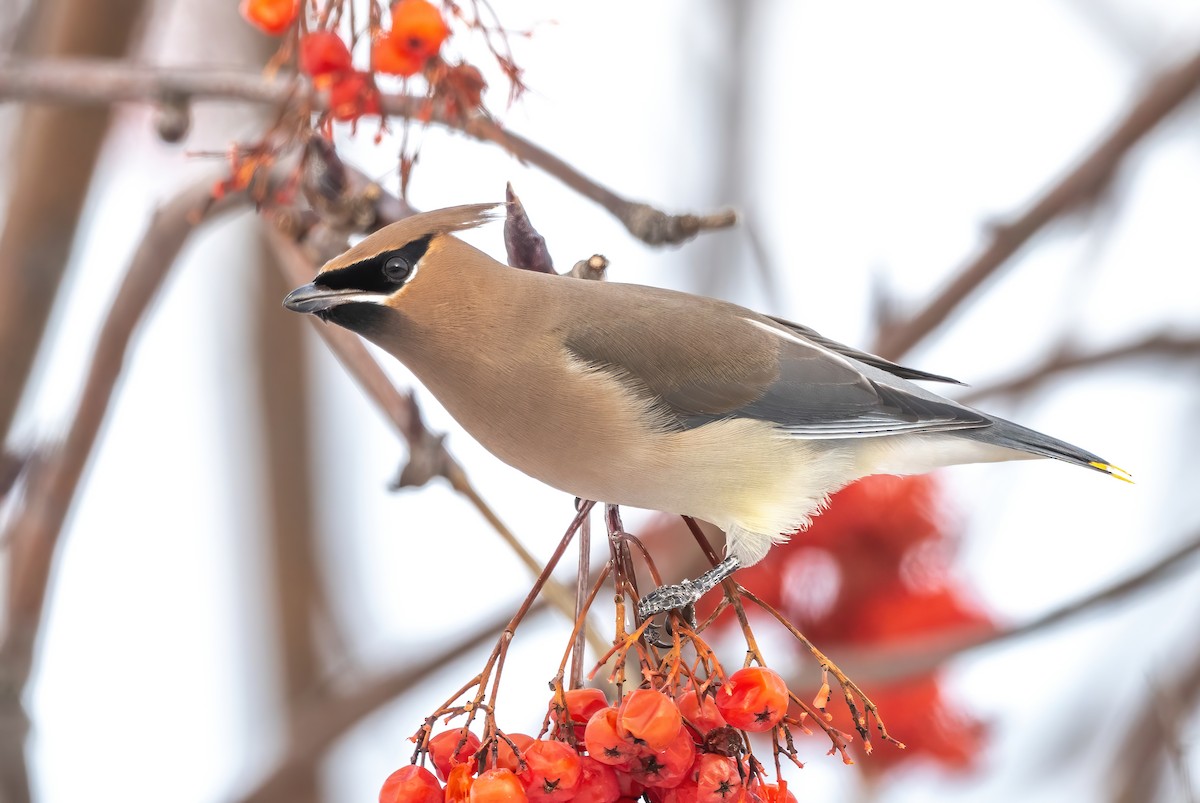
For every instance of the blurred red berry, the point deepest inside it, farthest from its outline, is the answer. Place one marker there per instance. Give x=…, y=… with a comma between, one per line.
x=597, y=782
x=701, y=712
x=552, y=772
x=650, y=718
x=411, y=784
x=497, y=786
x=352, y=96
x=388, y=57
x=270, y=16
x=505, y=757
x=581, y=704
x=418, y=28
x=603, y=741
x=445, y=752
x=753, y=699
x=935, y=730
x=323, y=54
x=668, y=767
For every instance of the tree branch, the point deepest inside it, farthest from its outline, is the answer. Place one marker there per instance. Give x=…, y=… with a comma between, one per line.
x=887, y=665
x=1066, y=358
x=1089, y=178
x=98, y=82
x=51, y=481
x=318, y=728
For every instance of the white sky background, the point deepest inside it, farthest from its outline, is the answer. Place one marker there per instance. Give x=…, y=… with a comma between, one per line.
x=884, y=137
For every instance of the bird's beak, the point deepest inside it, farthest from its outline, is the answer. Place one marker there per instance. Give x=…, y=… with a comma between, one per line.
x=316, y=299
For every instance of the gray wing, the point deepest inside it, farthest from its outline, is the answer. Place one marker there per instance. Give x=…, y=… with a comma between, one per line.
x=752, y=368
x=862, y=356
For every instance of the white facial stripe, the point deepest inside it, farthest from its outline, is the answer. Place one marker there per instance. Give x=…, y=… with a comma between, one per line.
x=362, y=298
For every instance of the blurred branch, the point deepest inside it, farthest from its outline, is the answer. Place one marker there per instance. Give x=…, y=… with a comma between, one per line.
x=52, y=162
x=92, y=82
x=917, y=657
x=1069, y=358
x=428, y=456
x=294, y=573
x=320, y=726
x=1082, y=184
x=32, y=533
x=1151, y=750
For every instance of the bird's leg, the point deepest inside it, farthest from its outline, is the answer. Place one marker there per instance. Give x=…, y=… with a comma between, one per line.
x=684, y=595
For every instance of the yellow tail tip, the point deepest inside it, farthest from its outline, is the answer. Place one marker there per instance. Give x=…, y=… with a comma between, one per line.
x=1113, y=471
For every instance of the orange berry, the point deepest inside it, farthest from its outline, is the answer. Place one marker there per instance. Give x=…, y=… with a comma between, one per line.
x=552, y=772
x=352, y=96
x=649, y=717
x=418, y=28
x=411, y=784
x=603, y=741
x=446, y=754
x=323, y=53
x=700, y=712
x=597, y=782
x=458, y=785
x=270, y=16
x=717, y=779
x=668, y=767
x=505, y=757
x=497, y=786
x=774, y=793
x=581, y=704
x=388, y=57
x=753, y=699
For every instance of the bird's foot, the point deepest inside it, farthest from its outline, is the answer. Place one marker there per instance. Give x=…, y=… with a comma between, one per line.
x=682, y=596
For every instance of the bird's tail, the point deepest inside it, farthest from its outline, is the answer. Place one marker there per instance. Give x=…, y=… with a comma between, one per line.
x=1014, y=436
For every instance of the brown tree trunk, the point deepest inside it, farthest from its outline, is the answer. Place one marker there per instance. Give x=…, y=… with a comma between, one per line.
x=53, y=160
x=300, y=602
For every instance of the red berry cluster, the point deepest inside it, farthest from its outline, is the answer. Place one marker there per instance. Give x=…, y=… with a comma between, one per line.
x=690, y=748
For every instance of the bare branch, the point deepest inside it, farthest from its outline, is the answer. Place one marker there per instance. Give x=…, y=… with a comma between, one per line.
x=51, y=166
x=1065, y=359
x=91, y=82
x=919, y=656
x=1089, y=178
x=319, y=728
x=1151, y=749
x=52, y=480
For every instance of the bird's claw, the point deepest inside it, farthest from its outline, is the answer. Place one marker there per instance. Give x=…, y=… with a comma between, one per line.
x=683, y=597
x=669, y=598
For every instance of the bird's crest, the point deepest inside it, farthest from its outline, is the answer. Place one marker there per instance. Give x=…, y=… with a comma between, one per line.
x=426, y=224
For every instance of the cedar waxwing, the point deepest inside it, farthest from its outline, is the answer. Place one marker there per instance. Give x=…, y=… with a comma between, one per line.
x=634, y=395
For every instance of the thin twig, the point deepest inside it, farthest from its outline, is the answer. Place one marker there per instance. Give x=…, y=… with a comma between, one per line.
x=1086, y=181
x=92, y=82
x=1065, y=359
x=320, y=726
x=889, y=665
x=582, y=601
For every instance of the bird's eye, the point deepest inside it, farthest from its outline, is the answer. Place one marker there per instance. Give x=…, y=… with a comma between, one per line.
x=397, y=269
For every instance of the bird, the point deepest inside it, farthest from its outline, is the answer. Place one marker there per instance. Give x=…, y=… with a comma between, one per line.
x=639, y=396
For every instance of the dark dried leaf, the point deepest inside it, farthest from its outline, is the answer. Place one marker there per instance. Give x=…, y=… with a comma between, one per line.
x=526, y=248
